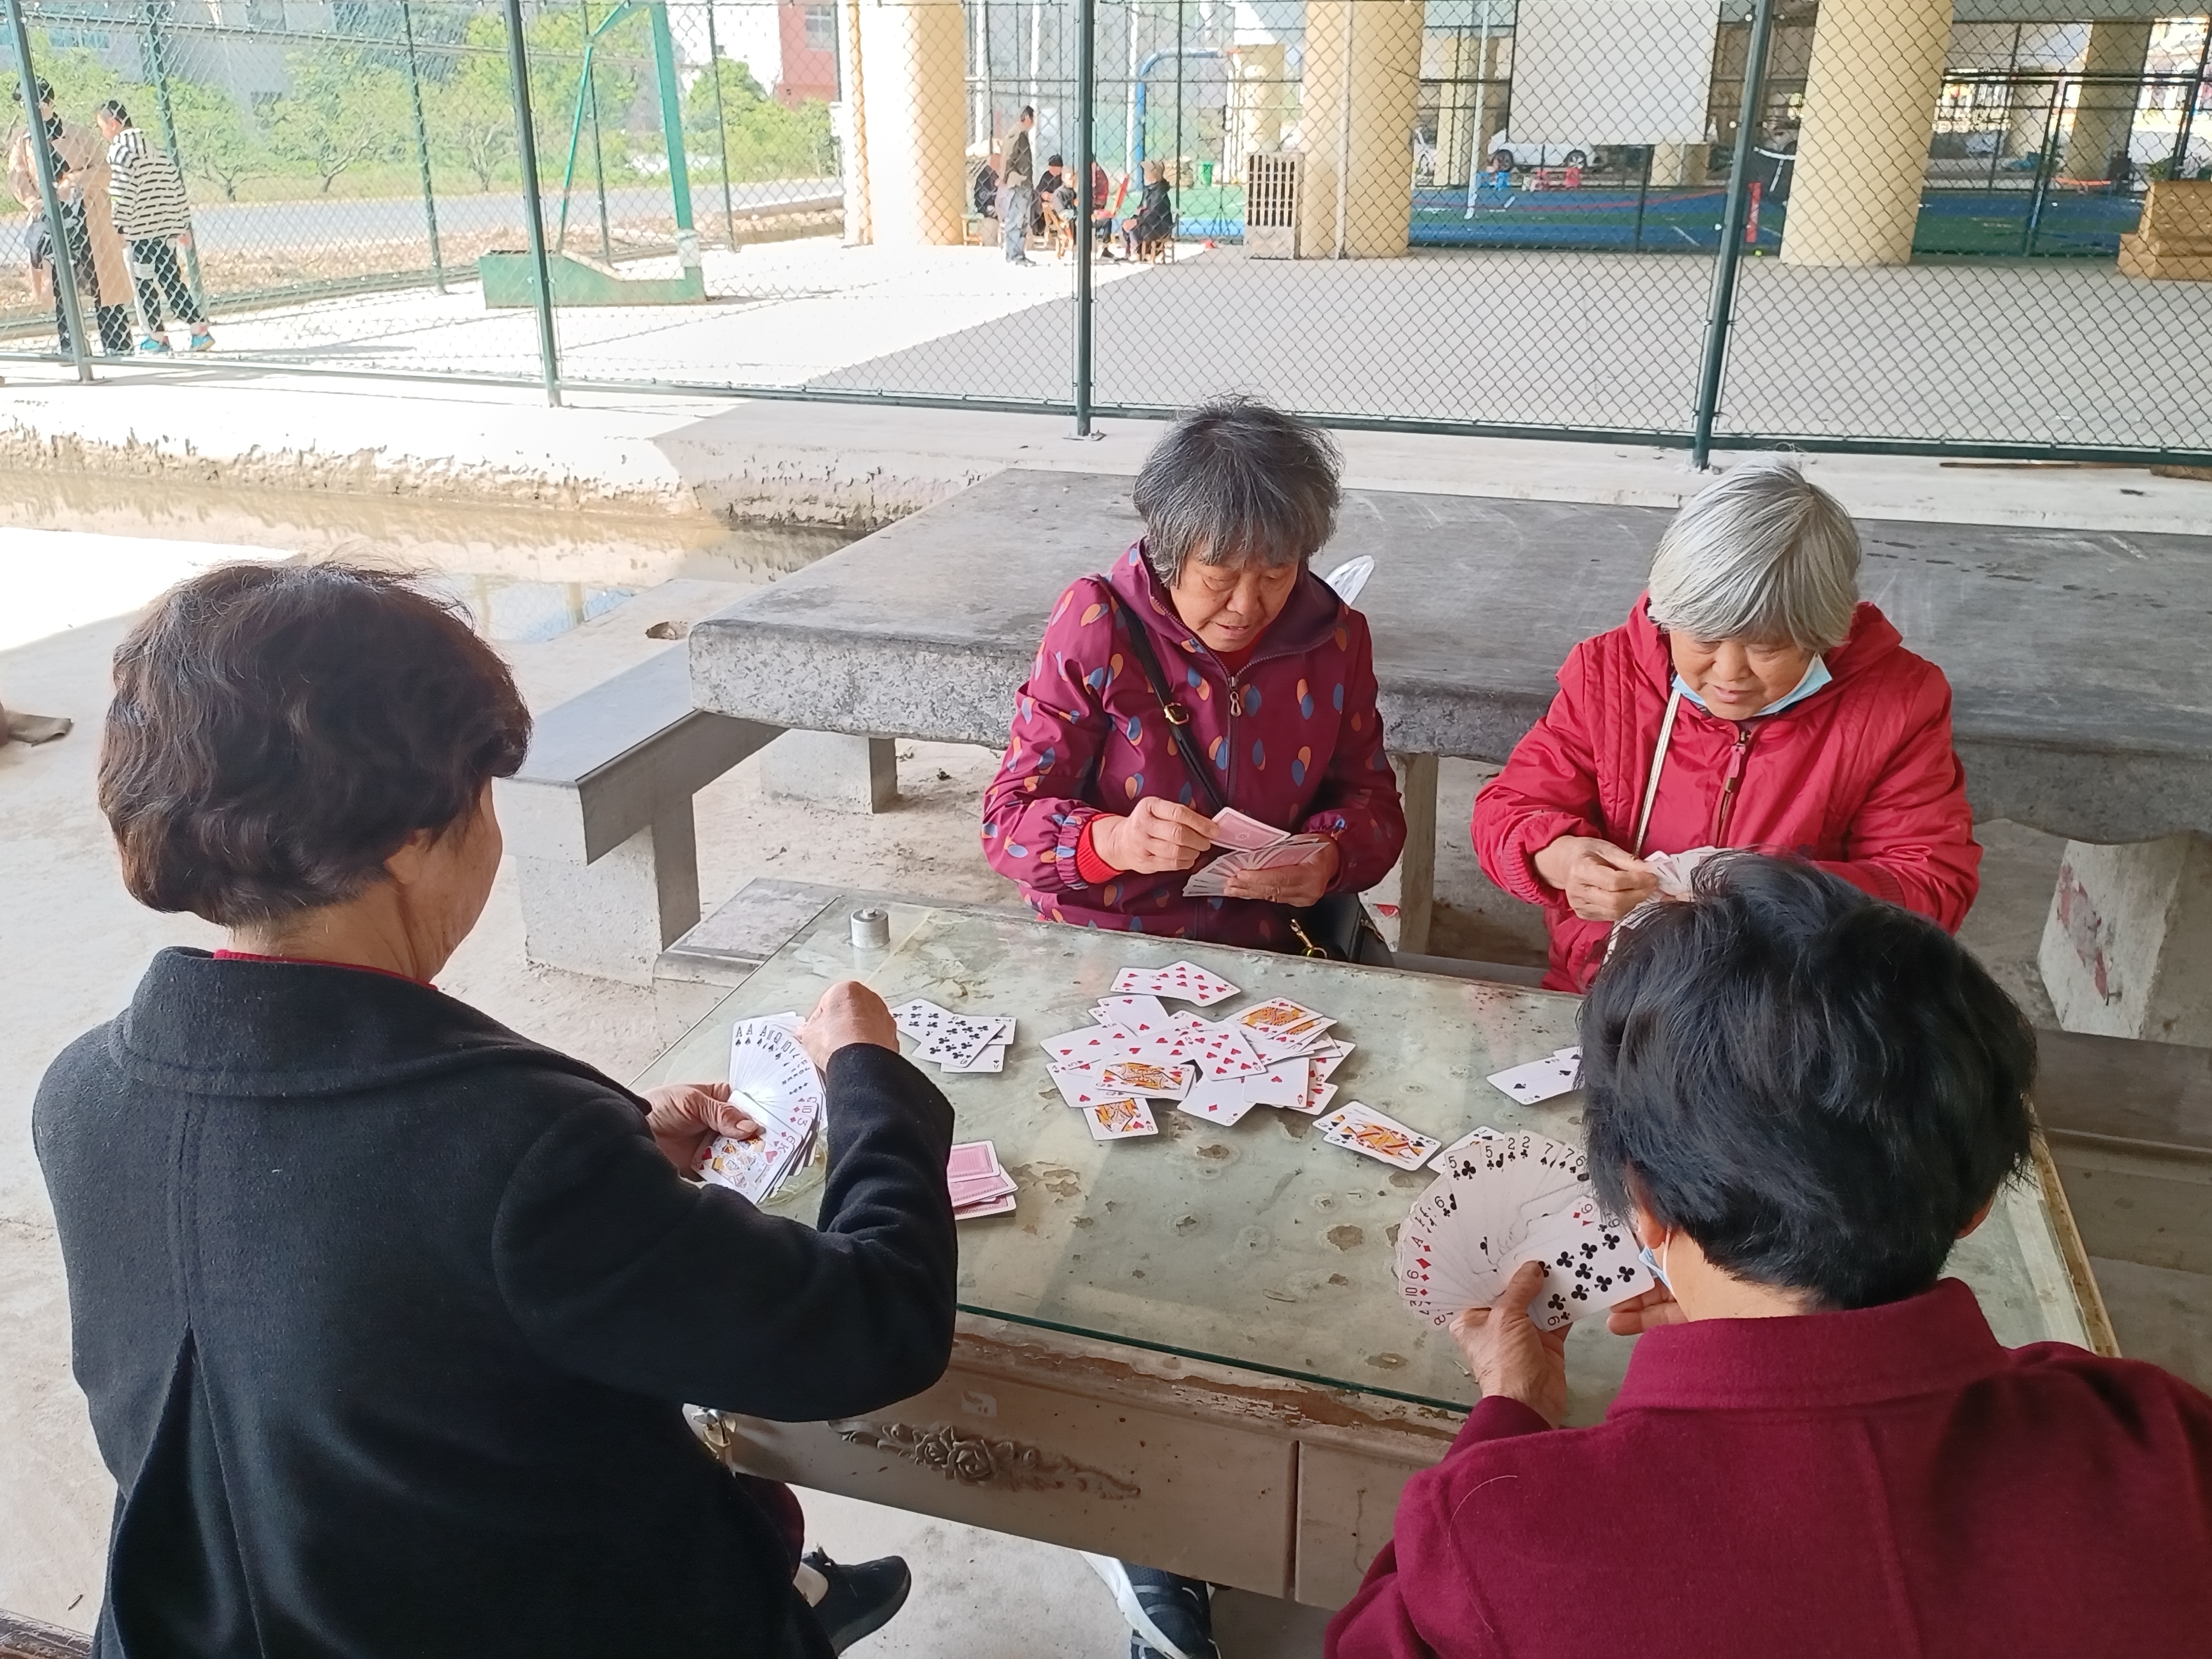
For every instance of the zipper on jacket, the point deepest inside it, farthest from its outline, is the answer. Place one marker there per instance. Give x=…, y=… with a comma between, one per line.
x=1228, y=735
x=1729, y=783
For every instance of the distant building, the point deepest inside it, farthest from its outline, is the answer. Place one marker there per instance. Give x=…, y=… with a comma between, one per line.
x=808, y=35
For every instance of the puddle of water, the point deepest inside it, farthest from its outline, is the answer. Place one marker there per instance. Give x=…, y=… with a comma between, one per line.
x=526, y=572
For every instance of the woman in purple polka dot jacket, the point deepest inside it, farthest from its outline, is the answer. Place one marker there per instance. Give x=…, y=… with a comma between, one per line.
x=1094, y=812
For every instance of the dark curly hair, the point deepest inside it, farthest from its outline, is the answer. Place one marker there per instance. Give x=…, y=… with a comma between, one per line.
x=280, y=730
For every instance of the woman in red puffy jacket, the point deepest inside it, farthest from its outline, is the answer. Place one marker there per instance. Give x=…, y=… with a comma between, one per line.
x=1750, y=700
x=1094, y=811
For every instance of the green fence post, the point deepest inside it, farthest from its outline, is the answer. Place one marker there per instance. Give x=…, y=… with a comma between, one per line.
x=721, y=126
x=671, y=127
x=422, y=147
x=42, y=156
x=157, y=49
x=1733, y=218
x=598, y=157
x=1086, y=43
x=533, y=208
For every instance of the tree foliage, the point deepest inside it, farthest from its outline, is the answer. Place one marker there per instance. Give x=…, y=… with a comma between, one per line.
x=347, y=108
x=470, y=110
x=765, y=139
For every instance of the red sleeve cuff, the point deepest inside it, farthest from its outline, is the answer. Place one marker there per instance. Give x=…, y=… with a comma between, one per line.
x=1094, y=870
x=1495, y=1417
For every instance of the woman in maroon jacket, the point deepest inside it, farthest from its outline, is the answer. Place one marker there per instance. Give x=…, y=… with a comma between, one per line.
x=1749, y=699
x=1094, y=811
x=1802, y=1096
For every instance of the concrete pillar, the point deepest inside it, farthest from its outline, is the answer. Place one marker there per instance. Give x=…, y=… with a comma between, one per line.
x=1468, y=116
x=1411, y=886
x=1257, y=92
x=612, y=917
x=911, y=103
x=2105, y=114
x=849, y=119
x=831, y=769
x=2127, y=949
x=1674, y=165
x=1362, y=92
x=1870, y=113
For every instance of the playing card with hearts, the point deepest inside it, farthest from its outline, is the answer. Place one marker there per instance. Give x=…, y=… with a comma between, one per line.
x=1222, y=1101
x=1147, y=1014
x=1120, y=1120
x=1185, y=981
x=1147, y=1078
x=1082, y=1086
x=1363, y=1129
x=1090, y=1045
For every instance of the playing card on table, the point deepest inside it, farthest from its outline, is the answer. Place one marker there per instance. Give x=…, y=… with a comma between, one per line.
x=921, y=1019
x=1082, y=1086
x=984, y=1206
x=971, y=1158
x=978, y=1189
x=955, y=1046
x=1135, y=1013
x=992, y=1056
x=1558, y=1073
x=1284, y=1084
x=1090, y=1045
x=1222, y=1101
x=1279, y=1027
x=1363, y=1129
x=1147, y=1078
x=1219, y=1049
x=1185, y=981
x=1120, y=1120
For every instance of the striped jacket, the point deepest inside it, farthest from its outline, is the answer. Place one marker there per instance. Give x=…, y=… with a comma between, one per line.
x=148, y=193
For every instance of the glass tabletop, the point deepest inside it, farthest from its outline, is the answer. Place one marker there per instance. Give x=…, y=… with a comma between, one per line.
x=1257, y=1245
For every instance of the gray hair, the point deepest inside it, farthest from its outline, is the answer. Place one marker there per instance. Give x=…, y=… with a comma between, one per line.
x=1235, y=482
x=1762, y=554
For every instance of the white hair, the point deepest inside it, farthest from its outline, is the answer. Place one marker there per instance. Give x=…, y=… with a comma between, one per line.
x=1763, y=555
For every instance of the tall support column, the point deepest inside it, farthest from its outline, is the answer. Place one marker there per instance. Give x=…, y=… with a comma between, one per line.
x=2104, y=109
x=1363, y=87
x=851, y=124
x=1869, y=112
x=914, y=102
x=1256, y=92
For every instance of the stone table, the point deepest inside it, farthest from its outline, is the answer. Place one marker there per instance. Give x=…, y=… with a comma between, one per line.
x=2083, y=690
x=1189, y=1349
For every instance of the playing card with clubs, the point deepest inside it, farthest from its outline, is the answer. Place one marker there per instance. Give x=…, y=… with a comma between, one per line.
x=1279, y=1027
x=1590, y=1261
x=1363, y=1129
x=921, y=1019
x=955, y=1045
x=1184, y=981
x=1120, y=1120
x=1558, y=1073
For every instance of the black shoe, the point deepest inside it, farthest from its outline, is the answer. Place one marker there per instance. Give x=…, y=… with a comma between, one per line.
x=1169, y=1618
x=861, y=1598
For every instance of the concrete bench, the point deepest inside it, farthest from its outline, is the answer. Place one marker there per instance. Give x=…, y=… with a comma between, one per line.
x=599, y=818
x=2079, y=682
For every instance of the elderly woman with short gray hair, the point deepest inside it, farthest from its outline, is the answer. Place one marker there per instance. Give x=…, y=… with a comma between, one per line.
x=1208, y=668
x=1751, y=699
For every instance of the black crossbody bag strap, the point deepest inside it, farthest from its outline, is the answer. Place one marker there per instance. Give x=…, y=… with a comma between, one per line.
x=1176, y=717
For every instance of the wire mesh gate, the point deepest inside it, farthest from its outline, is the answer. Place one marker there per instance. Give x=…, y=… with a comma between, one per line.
x=1856, y=224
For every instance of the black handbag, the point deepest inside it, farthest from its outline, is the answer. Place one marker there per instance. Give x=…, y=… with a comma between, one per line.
x=1336, y=925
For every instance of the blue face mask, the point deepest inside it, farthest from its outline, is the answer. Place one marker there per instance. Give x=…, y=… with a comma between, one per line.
x=1816, y=676
x=1649, y=1258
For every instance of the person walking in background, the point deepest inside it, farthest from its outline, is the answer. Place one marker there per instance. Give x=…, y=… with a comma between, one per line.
x=1014, y=180
x=87, y=231
x=154, y=219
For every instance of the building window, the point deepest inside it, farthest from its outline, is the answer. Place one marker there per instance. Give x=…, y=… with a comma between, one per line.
x=822, y=29
x=265, y=14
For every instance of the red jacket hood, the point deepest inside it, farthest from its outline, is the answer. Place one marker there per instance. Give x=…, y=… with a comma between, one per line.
x=1872, y=637
x=1307, y=618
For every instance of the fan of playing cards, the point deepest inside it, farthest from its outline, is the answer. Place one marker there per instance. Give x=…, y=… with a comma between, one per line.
x=1252, y=846
x=1504, y=1199
x=775, y=1083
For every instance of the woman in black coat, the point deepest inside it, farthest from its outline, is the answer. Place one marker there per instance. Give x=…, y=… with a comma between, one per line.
x=385, y=1314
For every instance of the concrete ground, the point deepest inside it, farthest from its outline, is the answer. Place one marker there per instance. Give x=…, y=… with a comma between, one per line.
x=509, y=504
x=2030, y=351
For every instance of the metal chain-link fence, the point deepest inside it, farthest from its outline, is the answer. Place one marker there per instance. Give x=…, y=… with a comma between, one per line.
x=1853, y=223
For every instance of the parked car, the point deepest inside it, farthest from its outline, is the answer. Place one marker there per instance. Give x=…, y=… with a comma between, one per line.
x=1507, y=152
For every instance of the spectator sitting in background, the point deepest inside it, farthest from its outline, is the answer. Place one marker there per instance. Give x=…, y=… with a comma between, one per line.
x=985, y=195
x=1154, y=219
x=154, y=220
x=1801, y=1097
x=1049, y=183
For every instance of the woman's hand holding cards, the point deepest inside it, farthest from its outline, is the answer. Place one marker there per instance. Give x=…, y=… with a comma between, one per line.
x=1509, y=1355
x=686, y=1116
x=1601, y=882
x=1295, y=884
x=1157, y=835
